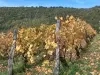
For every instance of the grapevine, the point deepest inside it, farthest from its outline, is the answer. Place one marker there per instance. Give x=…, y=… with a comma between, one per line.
x=41, y=42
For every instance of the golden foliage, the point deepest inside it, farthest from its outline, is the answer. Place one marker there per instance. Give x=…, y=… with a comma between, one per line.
x=31, y=41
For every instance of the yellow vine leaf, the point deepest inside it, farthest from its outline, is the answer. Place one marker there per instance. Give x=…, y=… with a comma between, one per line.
x=71, y=17
x=54, y=44
x=50, y=52
x=46, y=62
x=46, y=47
x=18, y=48
x=61, y=18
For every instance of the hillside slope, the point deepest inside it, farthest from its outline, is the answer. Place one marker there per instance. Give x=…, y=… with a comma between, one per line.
x=11, y=17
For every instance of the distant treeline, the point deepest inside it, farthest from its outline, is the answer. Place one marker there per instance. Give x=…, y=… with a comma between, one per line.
x=11, y=17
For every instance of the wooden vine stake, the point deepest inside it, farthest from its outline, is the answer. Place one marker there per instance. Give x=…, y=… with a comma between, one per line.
x=57, y=59
x=11, y=54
